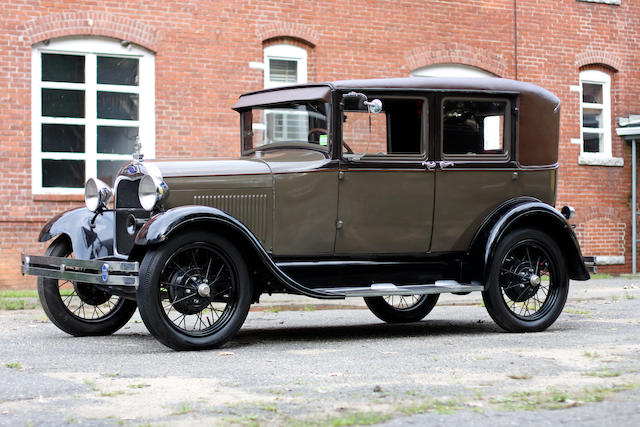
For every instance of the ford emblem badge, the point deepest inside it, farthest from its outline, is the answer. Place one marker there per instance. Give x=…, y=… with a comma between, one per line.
x=132, y=169
x=105, y=272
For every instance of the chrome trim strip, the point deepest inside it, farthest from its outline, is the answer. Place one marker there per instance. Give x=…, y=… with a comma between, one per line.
x=107, y=272
x=387, y=289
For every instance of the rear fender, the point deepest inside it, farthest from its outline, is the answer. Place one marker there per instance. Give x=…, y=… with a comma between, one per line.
x=527, y=213
x=90, y=238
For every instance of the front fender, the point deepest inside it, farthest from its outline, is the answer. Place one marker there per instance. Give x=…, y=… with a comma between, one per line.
x=89, y=239
x=539, y=215
x=160, y=227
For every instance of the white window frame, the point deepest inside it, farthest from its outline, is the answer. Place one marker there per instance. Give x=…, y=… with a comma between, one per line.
x=289, y=53
x=90, y=48
x=603, y=79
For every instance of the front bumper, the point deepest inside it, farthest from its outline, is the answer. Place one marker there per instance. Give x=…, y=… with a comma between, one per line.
x=101, y=272
x=590, y=263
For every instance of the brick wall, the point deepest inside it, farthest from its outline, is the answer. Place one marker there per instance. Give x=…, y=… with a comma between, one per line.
x=203, y=50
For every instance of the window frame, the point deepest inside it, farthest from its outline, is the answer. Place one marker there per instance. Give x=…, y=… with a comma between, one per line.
x=398, y=158
x=600, y=78
x=286, y=52
x=477, y=157
x=90, y=48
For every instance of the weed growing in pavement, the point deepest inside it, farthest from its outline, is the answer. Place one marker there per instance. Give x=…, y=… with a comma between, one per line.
x=573, y=311
x=614, y=298
x=140, y=385
x=185, y=408
x=589, y=354
x=603, y=373
x=448, y=406
x=627, y=295
x=14, y=365
x=274, y=309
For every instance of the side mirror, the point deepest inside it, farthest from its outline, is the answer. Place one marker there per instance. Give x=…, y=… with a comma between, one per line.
x=354, y=101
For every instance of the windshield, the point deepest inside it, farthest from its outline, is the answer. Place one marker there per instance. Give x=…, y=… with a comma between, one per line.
x=295, y=122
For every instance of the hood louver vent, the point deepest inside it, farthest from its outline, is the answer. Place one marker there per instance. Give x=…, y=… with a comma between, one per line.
x=251, y=209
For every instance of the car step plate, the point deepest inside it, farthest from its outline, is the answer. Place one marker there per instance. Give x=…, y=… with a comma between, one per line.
x=385, y=289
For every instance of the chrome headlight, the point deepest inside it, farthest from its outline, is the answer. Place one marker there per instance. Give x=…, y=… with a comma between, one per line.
x=97, y=194
x=151, y=191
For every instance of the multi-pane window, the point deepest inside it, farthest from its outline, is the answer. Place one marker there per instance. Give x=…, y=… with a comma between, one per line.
x=91, y=99
x=596, y=113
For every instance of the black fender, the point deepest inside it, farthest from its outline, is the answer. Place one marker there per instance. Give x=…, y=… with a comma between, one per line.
x=90, y=238
x=528, y=212
x=160, y=227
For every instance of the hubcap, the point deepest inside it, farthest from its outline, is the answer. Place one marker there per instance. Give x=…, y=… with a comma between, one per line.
x=534, y=280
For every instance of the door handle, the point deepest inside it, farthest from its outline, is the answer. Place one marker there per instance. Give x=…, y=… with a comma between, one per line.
x=429, y=165
x=445, y=164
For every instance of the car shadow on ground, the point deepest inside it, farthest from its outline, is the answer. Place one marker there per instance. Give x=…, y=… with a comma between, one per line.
x=429, y=328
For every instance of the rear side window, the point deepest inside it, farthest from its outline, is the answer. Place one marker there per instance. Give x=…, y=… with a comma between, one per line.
x=475, y=127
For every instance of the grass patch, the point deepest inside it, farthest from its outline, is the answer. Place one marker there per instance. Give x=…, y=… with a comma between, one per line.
x=603, y=373
x=185, y=408
x=18, y=299
x=274, y=309
x=573, y=311
x=601, y=276
x=140, y=385
x=448, y=406
x=627, y=295
x=595, y=354
x=111, y=393
x=14, y=365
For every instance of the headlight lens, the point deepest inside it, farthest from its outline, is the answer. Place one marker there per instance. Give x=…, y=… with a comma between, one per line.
x=151, y=191
x=97, y=194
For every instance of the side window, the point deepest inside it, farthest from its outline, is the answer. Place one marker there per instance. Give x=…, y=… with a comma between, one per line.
x=397, y=130
x=474, y=127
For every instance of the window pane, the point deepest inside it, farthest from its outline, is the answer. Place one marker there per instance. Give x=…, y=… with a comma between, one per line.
x=63, y=173
x=592, y=118
x=473, y=127
x=116, y=139
x=62, y=68
x=364, y=133
x=107, y=170
x=62, y=103
x=116, y=105
x=591, y=142
x=592, y=93
x=117, y=71
x=63, y=138
x=283, y=71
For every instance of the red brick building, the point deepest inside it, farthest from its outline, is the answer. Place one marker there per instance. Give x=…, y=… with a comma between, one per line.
x=80, y=79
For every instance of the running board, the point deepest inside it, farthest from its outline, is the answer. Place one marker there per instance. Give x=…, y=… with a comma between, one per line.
x=385, y=289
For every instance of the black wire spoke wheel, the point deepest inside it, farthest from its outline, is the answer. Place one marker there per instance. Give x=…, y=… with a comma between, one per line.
x=528, y=283
x=195, y=291
x=78, y=308
x=199, y=290
x=401, y=308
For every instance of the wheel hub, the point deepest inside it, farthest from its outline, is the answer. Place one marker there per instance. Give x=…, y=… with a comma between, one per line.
x=190, y=292
x=90, y=294
x=524, y=283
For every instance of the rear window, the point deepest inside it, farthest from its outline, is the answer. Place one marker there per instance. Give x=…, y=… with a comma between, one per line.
x=475, y=127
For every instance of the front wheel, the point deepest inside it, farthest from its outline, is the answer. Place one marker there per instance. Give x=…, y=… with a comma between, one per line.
x=528, y=282
x=195, y=291
x=402, y=308
x=81, y=309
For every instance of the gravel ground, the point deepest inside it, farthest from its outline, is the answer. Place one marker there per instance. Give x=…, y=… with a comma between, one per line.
x=299, y=361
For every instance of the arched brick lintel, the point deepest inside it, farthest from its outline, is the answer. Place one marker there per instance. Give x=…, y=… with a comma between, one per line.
x=592, y=57
x=93, y=24
x=300, y=32
x=479, y=58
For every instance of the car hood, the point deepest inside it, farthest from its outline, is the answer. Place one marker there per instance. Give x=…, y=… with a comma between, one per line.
x=210, y=167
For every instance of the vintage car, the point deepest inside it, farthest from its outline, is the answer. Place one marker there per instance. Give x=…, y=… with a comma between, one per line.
x=394, y=190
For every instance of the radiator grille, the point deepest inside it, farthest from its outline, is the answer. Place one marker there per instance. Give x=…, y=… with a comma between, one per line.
x=251, y=209
x=127, y=203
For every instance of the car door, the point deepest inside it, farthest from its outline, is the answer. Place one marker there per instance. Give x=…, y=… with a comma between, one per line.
x=475, y=168
x=385, y=187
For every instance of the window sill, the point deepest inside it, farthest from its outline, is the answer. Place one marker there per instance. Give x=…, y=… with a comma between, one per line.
x=609, y=260
x=58, y=198
x=600, y=161
x=615, y=2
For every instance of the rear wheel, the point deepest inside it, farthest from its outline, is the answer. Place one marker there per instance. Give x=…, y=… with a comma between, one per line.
x=402, y=308
x=81, y=309
x=195, y=291
x=528, y=283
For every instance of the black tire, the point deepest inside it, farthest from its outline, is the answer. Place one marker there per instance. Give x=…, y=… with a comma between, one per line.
x=171, y=276
x=67, y=303
x=400, y=308
x=528, y=282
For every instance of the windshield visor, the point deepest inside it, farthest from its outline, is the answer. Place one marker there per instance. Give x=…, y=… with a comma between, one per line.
x=291, y=123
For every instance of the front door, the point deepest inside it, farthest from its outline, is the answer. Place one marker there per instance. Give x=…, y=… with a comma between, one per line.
x=385, y=185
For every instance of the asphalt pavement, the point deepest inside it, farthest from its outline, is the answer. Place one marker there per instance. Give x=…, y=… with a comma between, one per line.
x=299, y=361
